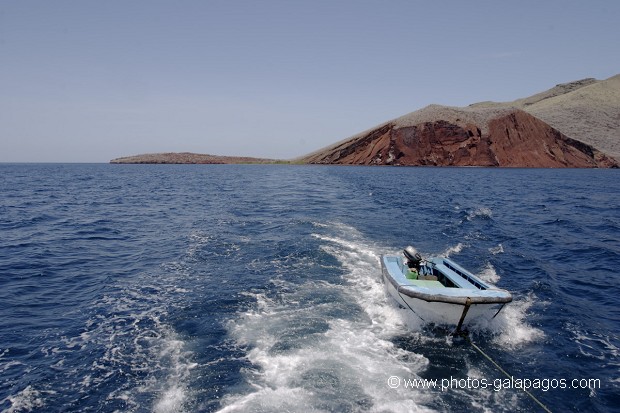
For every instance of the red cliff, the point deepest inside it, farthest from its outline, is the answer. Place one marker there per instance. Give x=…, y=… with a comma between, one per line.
x=441, y=136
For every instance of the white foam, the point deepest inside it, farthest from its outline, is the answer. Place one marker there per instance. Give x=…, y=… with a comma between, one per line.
x=128, y=330
x=489, y=274
x=172, y=400
x=453, y=250
x=481, y=212
x=598, y=346
x=510, y=325
x=497, y=250
x=27, y=399
x=306, y=358
x=175, y=393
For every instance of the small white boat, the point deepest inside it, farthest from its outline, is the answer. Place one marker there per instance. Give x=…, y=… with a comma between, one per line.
x=440, y=291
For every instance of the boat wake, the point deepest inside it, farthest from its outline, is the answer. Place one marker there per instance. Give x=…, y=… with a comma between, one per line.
x=327, y=346
x=333, y=345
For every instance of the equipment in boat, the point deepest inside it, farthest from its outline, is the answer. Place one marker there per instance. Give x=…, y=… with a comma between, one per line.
x=440, y=291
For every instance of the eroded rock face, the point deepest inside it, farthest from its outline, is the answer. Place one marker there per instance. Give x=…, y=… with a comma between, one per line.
x=521, y=140
x=512, y=139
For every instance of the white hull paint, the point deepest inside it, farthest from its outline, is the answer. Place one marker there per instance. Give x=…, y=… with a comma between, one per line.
x=443, y=305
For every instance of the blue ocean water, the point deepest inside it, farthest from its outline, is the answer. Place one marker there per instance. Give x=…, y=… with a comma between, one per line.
x=256, y=288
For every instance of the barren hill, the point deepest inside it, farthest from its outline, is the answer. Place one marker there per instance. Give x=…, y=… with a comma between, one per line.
x=587, y=110
x=561, y=127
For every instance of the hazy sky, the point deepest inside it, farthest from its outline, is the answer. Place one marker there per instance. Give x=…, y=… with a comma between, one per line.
x=88, y=81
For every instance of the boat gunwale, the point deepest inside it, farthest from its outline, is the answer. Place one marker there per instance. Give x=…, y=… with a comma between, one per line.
x=460, y=295
x=414, y=292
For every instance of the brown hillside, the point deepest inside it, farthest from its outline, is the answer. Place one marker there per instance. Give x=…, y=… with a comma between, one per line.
x=574, y=124
x=442, y=136
x=587, y=110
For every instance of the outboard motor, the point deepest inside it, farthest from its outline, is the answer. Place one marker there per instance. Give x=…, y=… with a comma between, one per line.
x=413, y=256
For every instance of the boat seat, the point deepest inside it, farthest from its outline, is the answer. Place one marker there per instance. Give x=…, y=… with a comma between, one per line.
x=455, y=278
x=426, y=283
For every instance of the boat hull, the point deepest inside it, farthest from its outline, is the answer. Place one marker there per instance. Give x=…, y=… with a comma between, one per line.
x=442, y=305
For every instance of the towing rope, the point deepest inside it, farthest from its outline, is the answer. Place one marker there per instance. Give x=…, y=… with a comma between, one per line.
x=465, y=334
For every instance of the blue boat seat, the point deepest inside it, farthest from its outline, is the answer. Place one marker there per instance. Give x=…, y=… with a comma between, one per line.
x=455, y=278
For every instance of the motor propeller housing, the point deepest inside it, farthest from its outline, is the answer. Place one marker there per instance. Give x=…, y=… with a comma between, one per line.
x=413, y=255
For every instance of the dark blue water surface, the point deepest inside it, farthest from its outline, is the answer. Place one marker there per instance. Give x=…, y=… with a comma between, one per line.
x=255, y=288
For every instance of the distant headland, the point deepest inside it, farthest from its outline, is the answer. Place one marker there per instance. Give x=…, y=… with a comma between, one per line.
x=191, y=158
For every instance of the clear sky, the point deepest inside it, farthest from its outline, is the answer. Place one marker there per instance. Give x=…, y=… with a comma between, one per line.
x=88, y=81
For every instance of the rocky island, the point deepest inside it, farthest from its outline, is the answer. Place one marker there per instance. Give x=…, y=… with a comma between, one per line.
x=573, y=125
